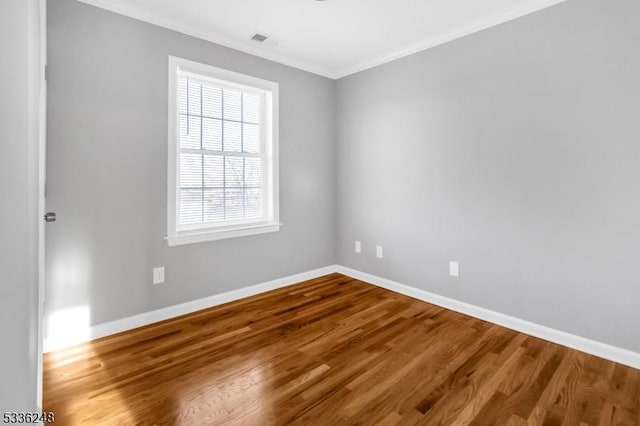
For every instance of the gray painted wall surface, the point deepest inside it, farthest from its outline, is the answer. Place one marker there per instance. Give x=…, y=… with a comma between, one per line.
x=107, y=170
x=515, y=151
x=18, y=208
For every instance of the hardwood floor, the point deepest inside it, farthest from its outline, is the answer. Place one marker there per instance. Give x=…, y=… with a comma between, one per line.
x=333, y=351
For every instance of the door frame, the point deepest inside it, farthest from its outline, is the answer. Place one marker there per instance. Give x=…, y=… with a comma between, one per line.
x=42, y=174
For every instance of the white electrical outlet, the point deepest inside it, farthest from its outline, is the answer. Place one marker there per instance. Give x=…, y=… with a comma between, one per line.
x=379, y=252
x=358, y=247
x=158, y=275
x=454, y=269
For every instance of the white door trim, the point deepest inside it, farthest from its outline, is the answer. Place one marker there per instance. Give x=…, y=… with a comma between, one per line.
x=42, y=170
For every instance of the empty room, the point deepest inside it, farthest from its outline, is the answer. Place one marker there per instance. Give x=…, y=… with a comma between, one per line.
x=320, y=212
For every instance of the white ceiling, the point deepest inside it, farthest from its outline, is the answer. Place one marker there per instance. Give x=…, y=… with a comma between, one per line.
x=333, y=38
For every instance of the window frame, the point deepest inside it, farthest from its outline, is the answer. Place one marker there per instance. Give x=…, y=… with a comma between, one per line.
x=188, y=234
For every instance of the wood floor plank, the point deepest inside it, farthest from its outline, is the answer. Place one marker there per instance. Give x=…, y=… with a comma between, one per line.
x=334, y=351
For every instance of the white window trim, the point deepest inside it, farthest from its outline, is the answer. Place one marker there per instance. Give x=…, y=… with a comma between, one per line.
x=226, y=230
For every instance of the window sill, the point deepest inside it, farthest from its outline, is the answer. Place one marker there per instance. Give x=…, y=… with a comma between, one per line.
x=221, y=234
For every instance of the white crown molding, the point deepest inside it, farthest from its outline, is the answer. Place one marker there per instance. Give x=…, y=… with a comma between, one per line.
x=207, y=35
x=335, y=74
x=55, y=343
x=603, y=350
x=458, y=32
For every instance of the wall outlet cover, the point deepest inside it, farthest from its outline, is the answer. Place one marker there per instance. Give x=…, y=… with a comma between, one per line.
x=454, y=269
x=158, y=275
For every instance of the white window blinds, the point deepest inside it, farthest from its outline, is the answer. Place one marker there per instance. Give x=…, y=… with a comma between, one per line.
x=221, y=153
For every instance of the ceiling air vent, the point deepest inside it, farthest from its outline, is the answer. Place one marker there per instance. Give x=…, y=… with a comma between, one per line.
x=259, y=37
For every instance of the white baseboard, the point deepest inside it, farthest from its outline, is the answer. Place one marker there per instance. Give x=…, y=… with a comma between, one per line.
x=54, y=343
x=602, y=350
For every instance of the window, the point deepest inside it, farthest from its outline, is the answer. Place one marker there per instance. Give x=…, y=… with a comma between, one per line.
x=223, y=140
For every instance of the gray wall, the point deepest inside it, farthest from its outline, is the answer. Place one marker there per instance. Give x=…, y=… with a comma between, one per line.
x=19, y=205
x=515, y=151
x=107, y=170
